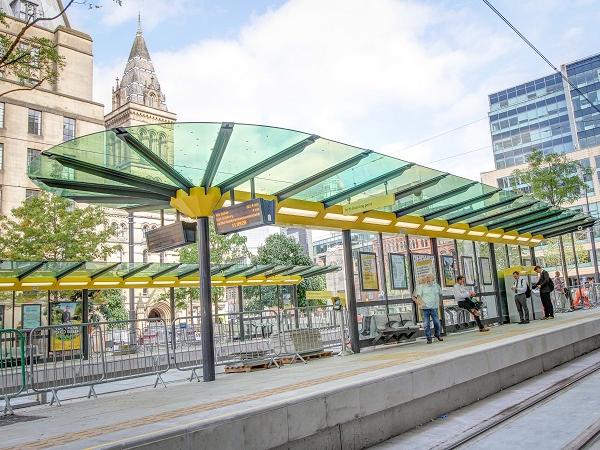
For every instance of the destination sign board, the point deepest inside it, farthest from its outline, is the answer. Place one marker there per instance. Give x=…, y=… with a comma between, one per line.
x=368, y=203
x=245, y=216
x=171, y=237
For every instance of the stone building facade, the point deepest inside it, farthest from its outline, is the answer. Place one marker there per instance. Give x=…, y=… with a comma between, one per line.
x=34, y=120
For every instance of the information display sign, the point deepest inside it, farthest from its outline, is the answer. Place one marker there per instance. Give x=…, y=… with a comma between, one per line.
x=244, y=216
x=171, y=237
x=398, y=271
x=367, y=263
x=31, y=316
x=448, y=270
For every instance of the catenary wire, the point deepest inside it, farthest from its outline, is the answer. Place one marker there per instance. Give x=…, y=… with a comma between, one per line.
x=540, y=54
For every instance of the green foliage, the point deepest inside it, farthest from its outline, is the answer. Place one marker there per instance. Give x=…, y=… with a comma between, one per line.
x=52, y=228
x=111, y=304
x=282, y=250
x=550, y=252
x=553, y=178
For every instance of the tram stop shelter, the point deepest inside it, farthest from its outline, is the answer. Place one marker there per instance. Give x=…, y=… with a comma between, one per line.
x=197, y=168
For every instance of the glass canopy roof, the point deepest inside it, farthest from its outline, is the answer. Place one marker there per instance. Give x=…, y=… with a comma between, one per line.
x=311, y=177
x=69, y=275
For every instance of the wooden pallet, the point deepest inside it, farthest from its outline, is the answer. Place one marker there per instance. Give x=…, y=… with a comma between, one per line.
x=248, y=367
x=291, y=359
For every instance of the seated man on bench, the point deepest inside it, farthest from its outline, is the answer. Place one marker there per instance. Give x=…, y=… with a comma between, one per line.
x=464, y=299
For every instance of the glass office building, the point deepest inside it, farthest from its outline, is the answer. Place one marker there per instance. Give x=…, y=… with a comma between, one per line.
x=546, y=114
x=531, y=115
x=585, y=74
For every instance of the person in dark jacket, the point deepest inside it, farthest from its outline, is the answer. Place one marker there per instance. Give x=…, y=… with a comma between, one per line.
x=544, y=284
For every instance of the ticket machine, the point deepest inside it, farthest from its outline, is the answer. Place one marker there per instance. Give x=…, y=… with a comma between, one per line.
x=534, y=302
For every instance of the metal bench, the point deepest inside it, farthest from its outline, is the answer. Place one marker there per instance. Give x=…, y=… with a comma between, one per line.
x=385, y=328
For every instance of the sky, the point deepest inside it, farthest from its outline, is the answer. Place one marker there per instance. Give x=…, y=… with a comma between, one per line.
x=387, y=75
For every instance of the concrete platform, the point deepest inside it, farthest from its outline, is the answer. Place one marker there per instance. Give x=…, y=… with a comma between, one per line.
x=343, y=402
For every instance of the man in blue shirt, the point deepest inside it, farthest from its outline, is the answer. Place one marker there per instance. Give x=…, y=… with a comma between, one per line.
x=427, y=298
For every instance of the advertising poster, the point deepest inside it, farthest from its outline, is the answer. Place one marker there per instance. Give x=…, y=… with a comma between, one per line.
x=423, y=266
x=486, y=270
x=448, y=270
x=68, y=337
x=468, y=270
x=398, y=271
x=31, y=316
x=367, y=264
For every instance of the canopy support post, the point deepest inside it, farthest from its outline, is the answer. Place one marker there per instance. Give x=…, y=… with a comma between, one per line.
x=206, y=318
x=350, y=291
x=240, y=299
x=563, y=260
x=578, y=281
x=131, y=244
x=85, y=305
x=172, y=308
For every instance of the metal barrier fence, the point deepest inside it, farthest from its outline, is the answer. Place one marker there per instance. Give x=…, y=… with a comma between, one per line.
x=78, y=355
x=12, y=366
x=238, y=337
x=259, y=336
x=51, y=358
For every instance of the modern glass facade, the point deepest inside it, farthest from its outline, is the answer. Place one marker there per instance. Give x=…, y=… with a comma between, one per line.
x=585, y=74
x=536, y=114
x=531, y=115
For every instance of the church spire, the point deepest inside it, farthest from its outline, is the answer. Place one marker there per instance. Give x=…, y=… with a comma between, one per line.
x=139, y=83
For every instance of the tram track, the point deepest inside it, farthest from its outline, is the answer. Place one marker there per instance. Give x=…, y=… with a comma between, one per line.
x=583, y=440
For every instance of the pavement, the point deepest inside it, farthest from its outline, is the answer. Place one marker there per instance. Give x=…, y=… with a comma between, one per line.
x=113, y=418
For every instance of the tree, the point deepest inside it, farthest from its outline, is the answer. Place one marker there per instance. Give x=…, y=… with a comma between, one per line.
x=558, y=181
x=282, y=250
x=553, y=177
x=29, y=59
x=53, y=228
x=552, y=257
x=111, y=304
x=224, y=249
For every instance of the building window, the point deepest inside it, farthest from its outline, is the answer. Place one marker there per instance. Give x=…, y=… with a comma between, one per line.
x=68, y=129
x=1, y=115
x=32, y=153
x=145, y=256
x=122, y=230
x=26, y=10
x=152, y=141
x=34, y=123
x=1, y=156
x=162, y=146
x=29, y=193
x=145, y=229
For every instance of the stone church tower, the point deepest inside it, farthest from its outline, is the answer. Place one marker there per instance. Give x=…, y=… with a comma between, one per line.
x=137, y=98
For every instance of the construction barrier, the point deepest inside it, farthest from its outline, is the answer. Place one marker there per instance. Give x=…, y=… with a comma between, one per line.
x=12, y=366
x=52, y=358
x=77, y=355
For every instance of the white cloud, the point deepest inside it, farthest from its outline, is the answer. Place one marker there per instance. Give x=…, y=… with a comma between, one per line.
x=153, y=12
x=379, y=74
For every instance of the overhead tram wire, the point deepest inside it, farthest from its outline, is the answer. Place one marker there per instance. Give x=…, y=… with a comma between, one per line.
x=540, y=54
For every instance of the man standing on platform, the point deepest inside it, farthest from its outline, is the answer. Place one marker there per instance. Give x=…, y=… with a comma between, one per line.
x=427, y=298
x=520, y=288
x=546, y=286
